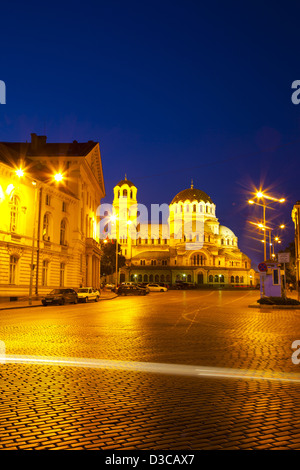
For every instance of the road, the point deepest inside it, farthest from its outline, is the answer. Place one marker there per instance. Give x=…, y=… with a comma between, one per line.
x=175, y=370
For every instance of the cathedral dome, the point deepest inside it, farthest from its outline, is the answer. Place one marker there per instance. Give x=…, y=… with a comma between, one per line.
x=125, y=181
x=191, y=194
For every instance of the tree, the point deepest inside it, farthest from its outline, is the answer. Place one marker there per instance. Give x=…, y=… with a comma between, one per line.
x=108, y=258
x=290, y=268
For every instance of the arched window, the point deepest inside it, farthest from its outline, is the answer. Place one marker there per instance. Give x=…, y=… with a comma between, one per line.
x=232, y=279
x=145, y=277
x=156, y=278
x=162, y=278
x=242, y=279
x=124, y=192
x=222, y=278
x=131, y=194
x=140, y=278
x=189, y=278
x=216, y=278
x=62, y=274
x=168, y=278
x=63, y=232
x=237, y=279
x=151, y=278
x=210, y=278
x=14, y=213
x=194, y=208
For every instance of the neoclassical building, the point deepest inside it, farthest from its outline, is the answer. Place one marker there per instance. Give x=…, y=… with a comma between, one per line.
x=189, y=245
x=48, y=226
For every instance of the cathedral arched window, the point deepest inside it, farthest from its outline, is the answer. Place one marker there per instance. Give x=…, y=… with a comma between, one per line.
x=210, y=278
x=222, y=278
x=237, y=279
x=232, y=279
x=194, y=208
x=124, y=192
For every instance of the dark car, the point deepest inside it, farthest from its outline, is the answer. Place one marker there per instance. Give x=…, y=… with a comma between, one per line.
x=131, y=290
x=184, y=285
x=60, y=297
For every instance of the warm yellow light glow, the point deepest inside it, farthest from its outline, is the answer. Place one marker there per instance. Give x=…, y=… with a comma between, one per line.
x=58, y=177
x=129, y=222
x=260, y=225
x=113, y=218
x=282, y=226
x=282, y=200
x=9, y=189
x=251, y=202
x=259, y=194
x=20, y=172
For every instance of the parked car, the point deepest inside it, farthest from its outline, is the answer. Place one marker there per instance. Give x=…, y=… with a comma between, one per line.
x=88, y=293
x=131, y=290
x=60, y=297
x=143, y=286
x=156, y=288
x=110, y=285
x=184, y=285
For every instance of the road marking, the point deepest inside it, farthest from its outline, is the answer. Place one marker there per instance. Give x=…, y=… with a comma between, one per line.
x=156, y=368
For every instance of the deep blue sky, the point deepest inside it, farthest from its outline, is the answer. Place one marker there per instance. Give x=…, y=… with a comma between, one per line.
x=172, y=90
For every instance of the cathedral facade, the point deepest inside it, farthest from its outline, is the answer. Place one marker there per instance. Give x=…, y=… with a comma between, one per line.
x=190, y=245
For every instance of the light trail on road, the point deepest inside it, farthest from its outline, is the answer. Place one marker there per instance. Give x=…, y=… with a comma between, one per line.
x=156, y=368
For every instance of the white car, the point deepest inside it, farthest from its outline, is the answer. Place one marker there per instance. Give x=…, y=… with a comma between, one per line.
x=156, y=288
x=110, y=285
x=88, y=293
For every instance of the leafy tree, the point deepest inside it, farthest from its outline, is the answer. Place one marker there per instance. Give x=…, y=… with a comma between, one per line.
x=290, y=268
x=108, y=258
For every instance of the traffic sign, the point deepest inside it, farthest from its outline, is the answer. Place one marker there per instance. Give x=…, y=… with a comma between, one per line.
x=263, y=267
x=283, y=257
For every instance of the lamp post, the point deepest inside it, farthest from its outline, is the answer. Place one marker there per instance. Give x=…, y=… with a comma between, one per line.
x=58, y=177
x=260, y=195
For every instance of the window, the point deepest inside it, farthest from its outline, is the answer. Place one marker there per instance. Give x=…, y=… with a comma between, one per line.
x=63, y=227
x=64, y=206
x=142, y=262
x=62, y=274
x=14, y=213
x=164, y=262
x=46, y=227
x=222, y=279
x=237, y=279
x=232, y=279
x=242, y=279
x=48, y=200
x=210, y=278
x=156, y=278
x=151, y=278
x=124, y=192
x=45, y=273
x=153, y=262
x=275, y=277
x=145, y=277
x=13, y=261
x=194, y=208
x=216, y=278
x=189, y=278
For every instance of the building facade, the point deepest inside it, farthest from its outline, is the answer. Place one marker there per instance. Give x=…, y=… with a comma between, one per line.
x=296, y=219
x=190, y=245
x=49, y=196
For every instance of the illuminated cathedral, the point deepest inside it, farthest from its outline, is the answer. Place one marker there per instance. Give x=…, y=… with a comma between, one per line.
x=206, y=253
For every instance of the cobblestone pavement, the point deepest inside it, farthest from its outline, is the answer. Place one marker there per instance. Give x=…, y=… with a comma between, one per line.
x=58, y=406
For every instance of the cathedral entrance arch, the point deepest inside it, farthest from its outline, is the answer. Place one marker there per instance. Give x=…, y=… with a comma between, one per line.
x=200, y=278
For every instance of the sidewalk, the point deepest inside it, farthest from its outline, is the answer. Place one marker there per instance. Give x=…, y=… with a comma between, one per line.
x=24, y=302
x=290, y=295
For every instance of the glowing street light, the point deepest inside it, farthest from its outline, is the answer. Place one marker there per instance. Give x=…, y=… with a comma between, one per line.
x=58, y=177
x=261, y=195
x=19, y=172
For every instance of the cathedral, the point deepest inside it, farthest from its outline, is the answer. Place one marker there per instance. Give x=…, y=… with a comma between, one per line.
x=189, y=245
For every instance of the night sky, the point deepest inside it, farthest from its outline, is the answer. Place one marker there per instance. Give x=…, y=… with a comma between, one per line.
x=172, y=91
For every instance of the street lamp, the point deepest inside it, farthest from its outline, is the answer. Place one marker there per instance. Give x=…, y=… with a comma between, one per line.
x=261, y=195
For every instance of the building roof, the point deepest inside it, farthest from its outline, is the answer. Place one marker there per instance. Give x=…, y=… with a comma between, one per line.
x=125, y=181
x=191, y=194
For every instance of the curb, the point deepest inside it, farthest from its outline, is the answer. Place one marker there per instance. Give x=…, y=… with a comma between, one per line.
x=281, y=307
x=39, y=305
